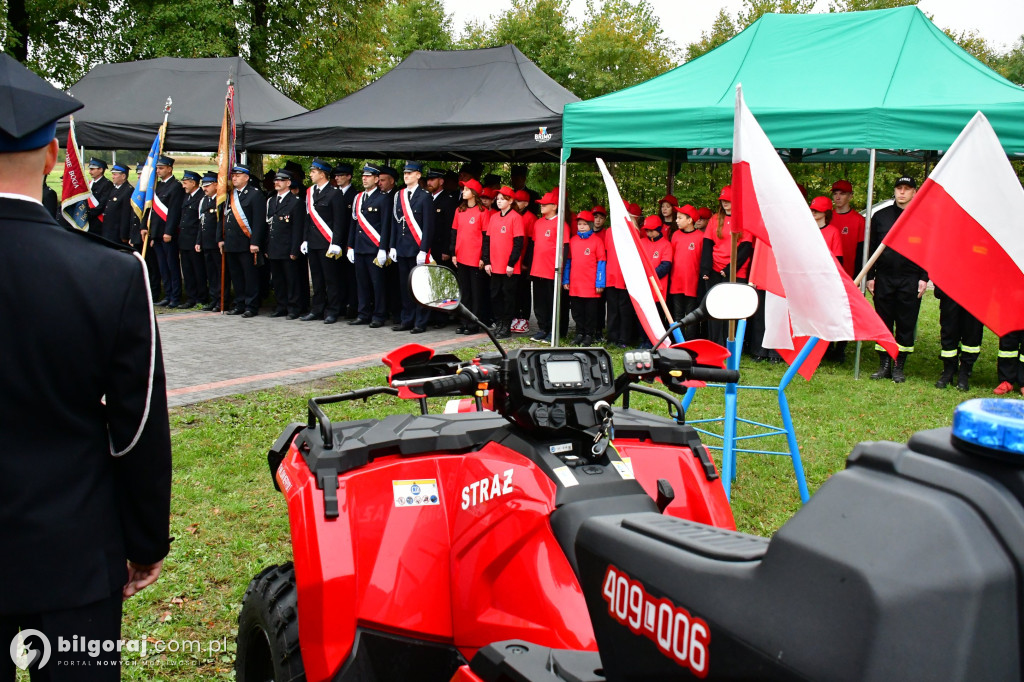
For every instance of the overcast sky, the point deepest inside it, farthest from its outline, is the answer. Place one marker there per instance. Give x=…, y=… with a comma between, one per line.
x=1001, y=22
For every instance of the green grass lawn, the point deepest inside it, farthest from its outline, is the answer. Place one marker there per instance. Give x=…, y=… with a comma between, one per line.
x=229, y=522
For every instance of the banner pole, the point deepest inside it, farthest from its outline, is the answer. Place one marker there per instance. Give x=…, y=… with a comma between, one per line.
x=868, y=262
x=559, y=236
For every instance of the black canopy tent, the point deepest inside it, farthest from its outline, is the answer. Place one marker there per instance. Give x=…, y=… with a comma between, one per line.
x=124, y=103
x=490, y=104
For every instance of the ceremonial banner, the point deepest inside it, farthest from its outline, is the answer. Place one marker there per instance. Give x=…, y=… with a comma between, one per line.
x=142, y=197
x=76, y=198
x=226, y=148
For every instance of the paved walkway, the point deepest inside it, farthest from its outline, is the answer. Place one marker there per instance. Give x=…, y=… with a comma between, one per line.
x=209, y=355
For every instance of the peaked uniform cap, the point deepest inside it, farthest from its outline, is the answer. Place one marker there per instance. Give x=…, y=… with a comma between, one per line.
x=29, y=107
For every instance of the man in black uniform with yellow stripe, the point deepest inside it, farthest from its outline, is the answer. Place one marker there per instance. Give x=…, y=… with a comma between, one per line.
x=245, y=238
x=84, y=493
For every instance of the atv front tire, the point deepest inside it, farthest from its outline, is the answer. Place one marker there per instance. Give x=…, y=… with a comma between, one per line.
x=268, y=629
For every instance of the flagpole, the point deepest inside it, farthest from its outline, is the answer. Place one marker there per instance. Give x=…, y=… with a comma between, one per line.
x=559, y=236
x=868, y=262
x=733, y=254
x=160, y=151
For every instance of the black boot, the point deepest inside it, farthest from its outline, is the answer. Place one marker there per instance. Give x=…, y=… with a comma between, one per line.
x=948, y=370
x=884, y=367
x=966, y=368
x=897, y=368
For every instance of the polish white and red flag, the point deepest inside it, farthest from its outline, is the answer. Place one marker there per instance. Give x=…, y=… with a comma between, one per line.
x=964, y=228
x=636, y=270
x=808, y=295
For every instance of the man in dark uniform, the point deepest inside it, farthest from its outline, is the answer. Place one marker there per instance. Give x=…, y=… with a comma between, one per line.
x=163, y=225
x=117, y=213
x=193, y=267
x=210, y=216
x=341, y=176
x=297, y=188
x=444, y=216
x=286, y=226
x=411, y=237
x=245, y=238
x=392, y=282
x=960, y=336
x=100, y=188
x=85, y=506
x=897, y=285
x=367, y=248
x=325, y=227
x=138, y=237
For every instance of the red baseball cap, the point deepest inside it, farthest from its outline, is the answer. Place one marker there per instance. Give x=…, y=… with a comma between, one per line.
x=652, y=222
x=726, y=194
x=549, y=198
x=473, y=185
x=670, y=199
x=842, y=186
x=821, y=204
x=690, y=211
x=634, y=210
x=507, y=191
x=599, y=209
x=585, y=215
x=489, y=192
x=521, y=195
x=704, y=212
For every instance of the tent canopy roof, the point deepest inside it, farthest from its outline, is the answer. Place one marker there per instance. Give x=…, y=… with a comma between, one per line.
x=488, y=103
x=124, y=103
x=883, y=79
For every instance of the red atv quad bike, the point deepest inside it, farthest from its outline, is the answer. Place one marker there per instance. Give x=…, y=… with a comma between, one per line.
x=420, y=538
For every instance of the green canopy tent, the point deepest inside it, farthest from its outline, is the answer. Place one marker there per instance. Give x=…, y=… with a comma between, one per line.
x=877, y=80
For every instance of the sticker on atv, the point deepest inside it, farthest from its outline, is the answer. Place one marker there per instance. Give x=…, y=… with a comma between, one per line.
x=415, y=493
x=679, y=635
x=625, y=468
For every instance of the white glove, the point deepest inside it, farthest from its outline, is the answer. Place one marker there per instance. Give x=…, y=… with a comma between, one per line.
x=421, y=257
x=334, y=251
x=304, y=248
x=351, y=255
x=393, y=255
x=382, y=257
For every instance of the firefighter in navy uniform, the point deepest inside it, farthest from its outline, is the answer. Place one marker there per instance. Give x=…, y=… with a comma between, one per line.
x=85, y=498
x=325, y=224
x=193, y=268
x=341, y=176
x=286, y=227
x=1010, y=362
x=117, y=213
x=367, y=242
x=101, y=188
x=392, y=281
x=245, y=239
x=138, y=237
x=210, y=216
x=897, y=285
x=163, y=224
x=960, y=336
x=411, y=237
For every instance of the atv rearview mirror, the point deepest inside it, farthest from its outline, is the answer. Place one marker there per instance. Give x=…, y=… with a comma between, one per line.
x=731, y=301
x=434, y=287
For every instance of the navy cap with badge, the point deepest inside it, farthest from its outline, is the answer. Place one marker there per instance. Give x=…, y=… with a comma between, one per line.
x=97, y=163
x=240, y=169
x=190, y=175
x=342, y=169
x=165, y=161
x=388, y=170
x=370, y=170
x=140, y=166
x=209, y=179
x=32, y=107
x=119, y=168
x=413, y=166
x=283, y=175
x=435, y=175
x=321, y=165
x=908, y=181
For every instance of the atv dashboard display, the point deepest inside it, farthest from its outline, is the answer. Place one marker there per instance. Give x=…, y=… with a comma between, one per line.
x=568, y=373
x=560, y=374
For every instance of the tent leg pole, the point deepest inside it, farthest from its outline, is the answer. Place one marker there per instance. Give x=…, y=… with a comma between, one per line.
x=867, y=247
x=559, y=236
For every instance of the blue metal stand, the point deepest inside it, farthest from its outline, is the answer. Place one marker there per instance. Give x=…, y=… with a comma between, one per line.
x=729, y=437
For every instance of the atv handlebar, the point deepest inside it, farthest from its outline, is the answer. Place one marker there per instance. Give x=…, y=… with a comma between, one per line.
x=456, y=383
x=724, y=376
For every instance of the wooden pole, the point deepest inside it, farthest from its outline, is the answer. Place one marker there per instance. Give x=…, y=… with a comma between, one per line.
x=870, y=264
x=732, y=276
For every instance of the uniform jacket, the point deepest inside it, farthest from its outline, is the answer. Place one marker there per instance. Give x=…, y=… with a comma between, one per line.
x=375, y=209
x=188, y=227
x=422, y=206
x=254, y=206
x=70, y=512
x=209, y=223
x=117, y=214
x=101, y=189
x=891, y=265
x=285, y=226
x=329, y=204
x=444, y=216
x=171, y=193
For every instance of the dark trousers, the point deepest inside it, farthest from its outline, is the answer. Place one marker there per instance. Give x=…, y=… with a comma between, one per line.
x=246, y=281
x=523, y=299
x=544, y=300
x=152, y=270
x=586, y=313
x=718, y=330
x=622, y=319
x=393, y=292
x=326, y=300
x=503, y=298
x=170, y=268
x=959, y=331
x=896, y=302
x=1010, y=364
x=96, y=622
x=473, y=287
x=370, y=288
x=193, y=276
x=211, y=261
x=412, y=312
x=754, y=338
x=287, y=279
x=682, y=305
x=302, y=265
x=349, y=286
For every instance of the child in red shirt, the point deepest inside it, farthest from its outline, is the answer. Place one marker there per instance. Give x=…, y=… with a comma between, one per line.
x=850, y=224
x=684, y=280
x=542, y=267
x=584, y=278
x=716, y=256
x=467, y=242
x=502, y=247
x=521, y=315
x=821, y=210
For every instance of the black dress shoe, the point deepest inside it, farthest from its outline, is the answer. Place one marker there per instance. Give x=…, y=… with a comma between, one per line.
x=293, y=316
x=209, y=307
x=174, y=304
x=162, y=302
x=187, y=304
x=309, y=317
x=330, y=319
x=234, y=311
x=401, y=328
x=376, y=324
x=439, y=325
x=215, y=309
x=358, y=320
x=248, y=313
x=279, y=313
x=417, y=330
